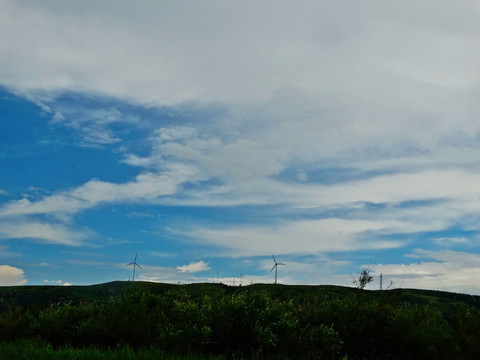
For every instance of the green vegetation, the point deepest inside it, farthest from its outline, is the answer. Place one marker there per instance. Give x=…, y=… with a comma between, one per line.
x=162, y=321
x=35, y=350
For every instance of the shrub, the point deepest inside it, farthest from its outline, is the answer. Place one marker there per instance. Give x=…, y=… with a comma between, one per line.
x=250, y=322
x=467, y=329
x=14, y=324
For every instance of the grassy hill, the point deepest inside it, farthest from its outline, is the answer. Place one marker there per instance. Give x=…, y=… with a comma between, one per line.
x=259, y=321
x=41, y=295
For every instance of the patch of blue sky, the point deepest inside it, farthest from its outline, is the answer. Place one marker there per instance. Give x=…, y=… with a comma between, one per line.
x=38, y=154
x=358, y=258
x=25, y=129
x=78, y=265
x=37, y=259
x=149, y=229
x=65, y=168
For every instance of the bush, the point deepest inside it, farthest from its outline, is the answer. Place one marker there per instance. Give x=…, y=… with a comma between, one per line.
x=58, y=323
x=251, y=322
x=370, y=329
x=420, y=332
x=14, y=324
x=467, y=329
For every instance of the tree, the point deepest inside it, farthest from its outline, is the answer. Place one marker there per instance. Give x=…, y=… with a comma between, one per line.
x=364, y=278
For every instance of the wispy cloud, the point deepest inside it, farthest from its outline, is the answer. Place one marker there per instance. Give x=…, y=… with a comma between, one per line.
x=46, y=232
x=441, y=270
x=5, y=253
x=300, y=237
x=145, y=187
x=91, y=125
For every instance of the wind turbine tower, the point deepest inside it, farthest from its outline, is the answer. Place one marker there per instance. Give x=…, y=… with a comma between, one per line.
x=135, y=264
x=276, y=267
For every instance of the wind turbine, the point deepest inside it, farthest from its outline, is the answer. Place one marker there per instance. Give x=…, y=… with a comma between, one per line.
x=134, y=263
x=276, y=267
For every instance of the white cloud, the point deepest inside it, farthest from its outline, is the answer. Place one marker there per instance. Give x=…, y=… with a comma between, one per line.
x=3, y=192
x=95, y=137
x=451, y=241
x=92, y=125
x=447, y=184
x=240, y=51
x=57, y=282
x=10, y=276
x=145, y=187
x=296, y=237
x=439, y=270
x=194, y=267
x=50, y=233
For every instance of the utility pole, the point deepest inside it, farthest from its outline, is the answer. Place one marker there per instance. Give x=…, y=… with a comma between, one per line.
x=381, y=281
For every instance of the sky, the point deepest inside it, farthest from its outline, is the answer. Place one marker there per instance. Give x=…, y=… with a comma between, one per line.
x=207, y=136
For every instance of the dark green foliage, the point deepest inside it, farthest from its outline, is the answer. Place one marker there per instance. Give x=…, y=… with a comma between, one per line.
x=467, y=329
x=183, y=324
x=260, y=322
x=35, y=350
x=251, y=322
x=14, y=324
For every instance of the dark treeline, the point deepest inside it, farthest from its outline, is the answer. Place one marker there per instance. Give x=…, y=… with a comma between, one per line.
x=253, y=324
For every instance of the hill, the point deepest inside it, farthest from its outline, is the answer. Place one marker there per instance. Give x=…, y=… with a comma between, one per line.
x=256, y=321
x=42, y=295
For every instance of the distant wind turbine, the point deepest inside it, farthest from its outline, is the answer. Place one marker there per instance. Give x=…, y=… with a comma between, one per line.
x=135, y=264
x=276, y=267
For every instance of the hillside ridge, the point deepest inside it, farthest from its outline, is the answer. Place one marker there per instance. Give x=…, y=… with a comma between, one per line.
x=42, y=295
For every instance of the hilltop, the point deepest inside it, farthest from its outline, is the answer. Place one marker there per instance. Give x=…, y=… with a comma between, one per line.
x=42, y=295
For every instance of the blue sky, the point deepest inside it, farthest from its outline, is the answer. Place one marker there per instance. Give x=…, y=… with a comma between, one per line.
x=207, y=136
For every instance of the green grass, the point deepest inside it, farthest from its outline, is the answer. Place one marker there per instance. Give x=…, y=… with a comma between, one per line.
x=34, y=350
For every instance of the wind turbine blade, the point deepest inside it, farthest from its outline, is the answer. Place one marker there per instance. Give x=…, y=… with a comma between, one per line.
x=274, y=259
x=281, y=264
x=139, y=266
x=274, y=266
x=135, y=258
x=130, y=264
